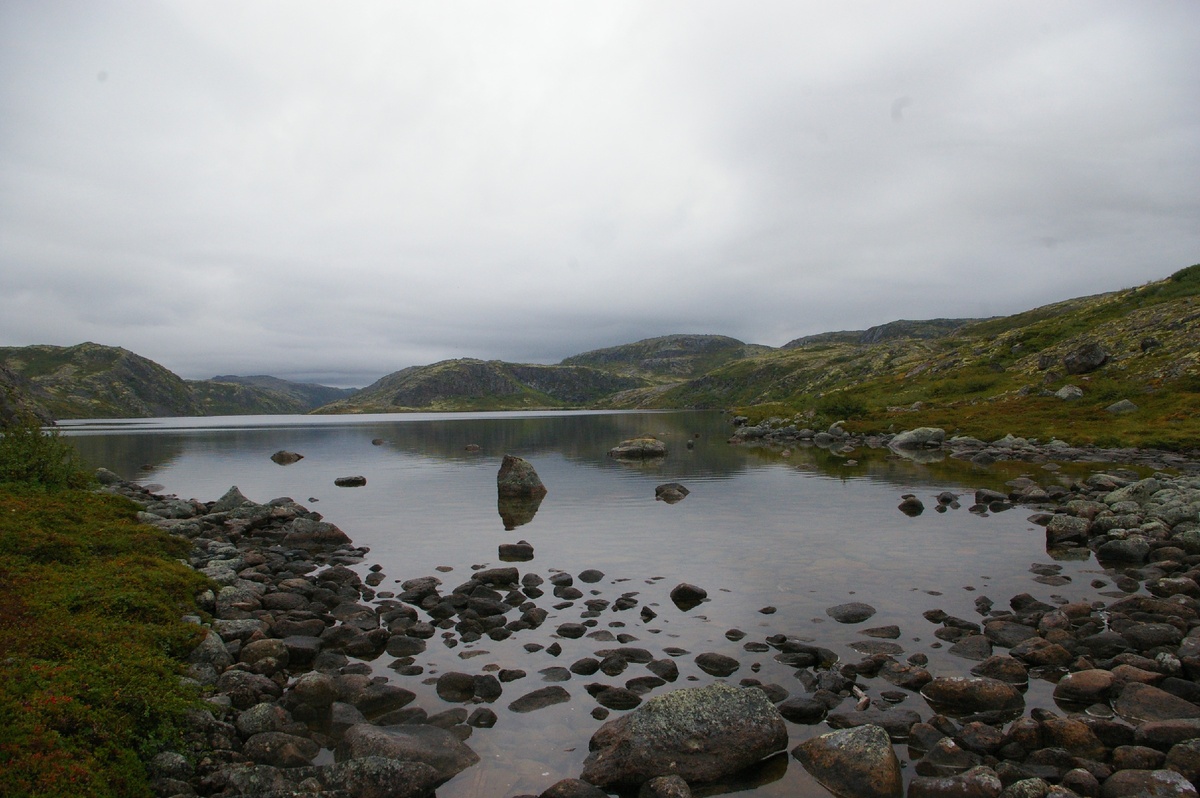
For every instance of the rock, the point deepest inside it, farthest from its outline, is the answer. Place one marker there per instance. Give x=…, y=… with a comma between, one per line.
x=717, y=664
x=1147, y=784
x=853, y=763
x=456, y=687
x=350, y=482
x=896, y=722
x=572, y=788
x=1084, y=359
x=280, y=750
x=665, y=787
x=1069, y=393
x=1123, y=406
x=700, y=734
x=911, y=506
x=438, y=748
x=670, y=492
x=1142, y=703
x=516, y=552
x=918, y=438
x=517, y=478
x=978, y=782
x=232, y=500
x=687, y=596
x=380, y=777
x=284, y=457
x=1084, y=687
x=540, y=699
x=642, y=448
x=967, y=694
x=852, y=612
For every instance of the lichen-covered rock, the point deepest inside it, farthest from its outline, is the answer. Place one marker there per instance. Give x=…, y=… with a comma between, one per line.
x=700, y=734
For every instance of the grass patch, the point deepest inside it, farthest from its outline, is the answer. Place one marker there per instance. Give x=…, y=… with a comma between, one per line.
x=91, y=640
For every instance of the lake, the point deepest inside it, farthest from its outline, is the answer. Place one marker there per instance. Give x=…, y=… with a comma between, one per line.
x=760, y=530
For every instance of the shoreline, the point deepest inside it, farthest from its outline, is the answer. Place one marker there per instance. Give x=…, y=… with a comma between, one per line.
x=279, y=665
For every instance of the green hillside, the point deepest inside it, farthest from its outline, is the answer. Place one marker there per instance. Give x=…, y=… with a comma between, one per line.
x=995, y=376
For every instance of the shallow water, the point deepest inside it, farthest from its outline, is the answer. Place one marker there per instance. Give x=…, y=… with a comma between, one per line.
x=798, y=533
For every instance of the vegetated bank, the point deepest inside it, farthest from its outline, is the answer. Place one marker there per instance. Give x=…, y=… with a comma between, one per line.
x=1114, y=370
x=91, y=629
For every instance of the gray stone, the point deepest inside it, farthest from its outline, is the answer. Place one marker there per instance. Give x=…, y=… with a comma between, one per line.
x=700, y=734
x=643, y=448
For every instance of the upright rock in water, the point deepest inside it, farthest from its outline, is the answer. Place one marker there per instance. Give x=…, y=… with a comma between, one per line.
x=700, y=734
x=517, y=478
x=853, y=763
x=642, y=448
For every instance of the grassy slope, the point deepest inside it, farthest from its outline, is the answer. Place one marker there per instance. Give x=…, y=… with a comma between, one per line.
x=989, y=379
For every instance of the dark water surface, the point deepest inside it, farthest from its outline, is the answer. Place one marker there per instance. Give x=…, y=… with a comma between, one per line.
x=759, y=529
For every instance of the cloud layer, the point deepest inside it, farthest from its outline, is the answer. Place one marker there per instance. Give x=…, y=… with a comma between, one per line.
x=331, y=193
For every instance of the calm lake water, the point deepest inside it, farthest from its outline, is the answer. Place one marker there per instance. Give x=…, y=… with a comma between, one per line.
x=759, y=529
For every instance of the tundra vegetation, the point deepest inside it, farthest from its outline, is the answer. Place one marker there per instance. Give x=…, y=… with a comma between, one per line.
x=91, y=636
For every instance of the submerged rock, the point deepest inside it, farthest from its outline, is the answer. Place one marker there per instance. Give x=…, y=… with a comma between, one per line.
x=642, y=448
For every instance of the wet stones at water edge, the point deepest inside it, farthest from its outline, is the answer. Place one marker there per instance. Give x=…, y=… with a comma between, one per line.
x=284, y=661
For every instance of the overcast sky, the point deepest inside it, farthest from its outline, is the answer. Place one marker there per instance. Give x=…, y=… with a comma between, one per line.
x=333, y=191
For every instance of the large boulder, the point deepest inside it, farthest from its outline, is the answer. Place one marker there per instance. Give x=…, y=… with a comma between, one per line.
x=918, y=438
x=1083, y=359
x=853, y=763
x=642, y=448
x=431, y=745
x=700, y=734
x=517, y=478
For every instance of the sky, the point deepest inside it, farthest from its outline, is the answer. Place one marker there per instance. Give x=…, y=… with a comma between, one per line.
x=329, y=192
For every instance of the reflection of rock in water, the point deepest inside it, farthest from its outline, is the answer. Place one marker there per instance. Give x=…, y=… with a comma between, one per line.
x=516, y=511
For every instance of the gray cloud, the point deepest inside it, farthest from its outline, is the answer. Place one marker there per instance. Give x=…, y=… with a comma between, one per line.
x=335, y=193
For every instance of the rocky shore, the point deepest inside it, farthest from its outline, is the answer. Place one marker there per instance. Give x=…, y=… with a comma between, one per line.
x=294, y=706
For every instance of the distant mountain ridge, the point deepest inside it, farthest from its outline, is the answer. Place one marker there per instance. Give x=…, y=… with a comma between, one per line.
x=469, y=384
x=981, y=373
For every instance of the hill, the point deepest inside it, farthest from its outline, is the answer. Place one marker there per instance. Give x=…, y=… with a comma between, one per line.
x=468, y=384
x=893, y=330
x=90, y=380
x=669, y=357
x=300, y=396
x=990, y=377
